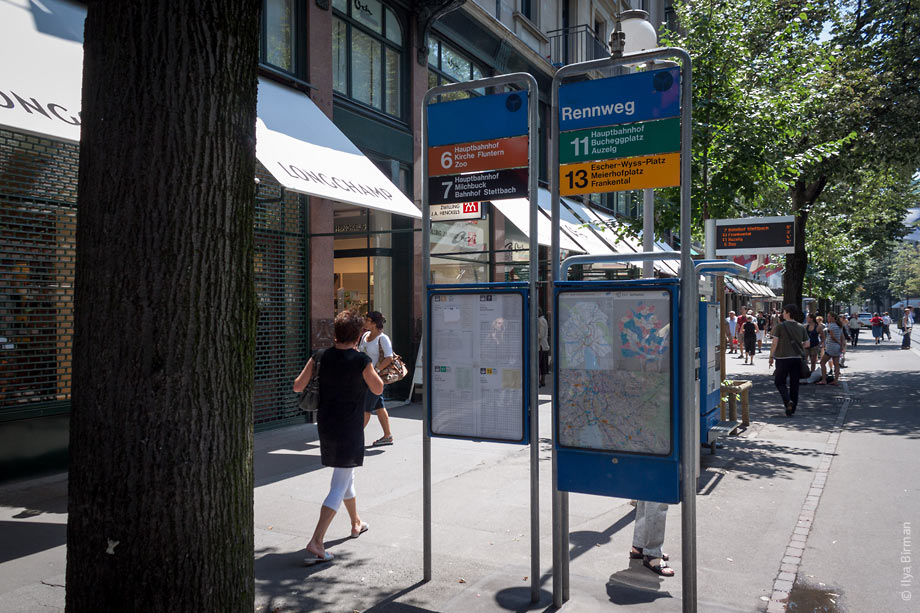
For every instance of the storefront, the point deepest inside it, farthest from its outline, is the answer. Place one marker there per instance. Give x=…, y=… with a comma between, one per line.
x=315, y=187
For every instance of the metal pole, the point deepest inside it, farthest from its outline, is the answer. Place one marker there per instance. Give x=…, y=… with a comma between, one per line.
x=648, y=230
x=426, y=279
x=689, y=304
x=560, y=499
x=533, y=103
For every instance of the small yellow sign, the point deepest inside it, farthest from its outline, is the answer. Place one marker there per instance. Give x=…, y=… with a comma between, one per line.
x=644, y=172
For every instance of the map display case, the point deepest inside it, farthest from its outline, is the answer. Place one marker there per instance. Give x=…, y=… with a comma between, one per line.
x=478, y=364
x=616, y=398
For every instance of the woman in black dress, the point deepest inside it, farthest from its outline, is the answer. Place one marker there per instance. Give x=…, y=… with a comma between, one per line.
x=345, y=376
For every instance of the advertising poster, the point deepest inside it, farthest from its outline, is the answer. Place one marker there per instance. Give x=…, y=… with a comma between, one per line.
x=477, y=365
x=615, y=371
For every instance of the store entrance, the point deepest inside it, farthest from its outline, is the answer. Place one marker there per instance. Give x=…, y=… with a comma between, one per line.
x=362, y=263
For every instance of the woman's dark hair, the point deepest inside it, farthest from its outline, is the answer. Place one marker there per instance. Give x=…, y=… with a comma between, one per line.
x=812, y=316
x=377, y=317
x=348, y=326
x=793, y=311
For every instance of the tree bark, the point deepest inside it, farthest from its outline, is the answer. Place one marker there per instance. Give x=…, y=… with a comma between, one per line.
x=803, y=195
x=160, y=500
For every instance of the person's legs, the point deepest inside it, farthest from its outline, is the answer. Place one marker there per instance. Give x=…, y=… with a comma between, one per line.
x=367, y=418
x=824, y=359
x=384, y=418
x=795, y=369
x=341, y=483
x=779, y=380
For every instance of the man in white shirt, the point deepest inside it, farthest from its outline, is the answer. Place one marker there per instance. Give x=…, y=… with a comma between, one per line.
x=886, y=325
x=732, y=322
x=907, y=325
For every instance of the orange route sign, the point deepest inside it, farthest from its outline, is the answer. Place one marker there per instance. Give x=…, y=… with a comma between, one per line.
x=495, y=154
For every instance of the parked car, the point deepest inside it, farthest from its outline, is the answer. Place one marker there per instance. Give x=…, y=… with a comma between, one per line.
x=864, y=319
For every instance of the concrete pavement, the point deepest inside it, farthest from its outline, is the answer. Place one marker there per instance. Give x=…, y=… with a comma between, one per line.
x=842, y=463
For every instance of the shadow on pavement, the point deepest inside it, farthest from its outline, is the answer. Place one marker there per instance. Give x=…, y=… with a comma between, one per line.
x=22, y=539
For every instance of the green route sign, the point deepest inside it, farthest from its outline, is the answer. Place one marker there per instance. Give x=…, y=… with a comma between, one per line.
x=619, y=141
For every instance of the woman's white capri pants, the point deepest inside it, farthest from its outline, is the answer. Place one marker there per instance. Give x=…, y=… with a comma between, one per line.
x=341, y=488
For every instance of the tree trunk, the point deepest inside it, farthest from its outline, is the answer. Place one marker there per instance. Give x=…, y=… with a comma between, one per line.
x=160, y=500
x=802, y=196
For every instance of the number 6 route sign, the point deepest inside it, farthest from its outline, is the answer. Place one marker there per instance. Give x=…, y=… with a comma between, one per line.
x=478, y=149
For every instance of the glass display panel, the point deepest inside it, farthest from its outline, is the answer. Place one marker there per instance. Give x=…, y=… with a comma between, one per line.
x=477, y=365
x=279, y=29
x=394, y=31
x=614, y=387
x=365, y=69
x=339, y=56
x=392, y=81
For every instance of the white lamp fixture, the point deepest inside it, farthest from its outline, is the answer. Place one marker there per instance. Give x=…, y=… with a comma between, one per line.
x=633, y=32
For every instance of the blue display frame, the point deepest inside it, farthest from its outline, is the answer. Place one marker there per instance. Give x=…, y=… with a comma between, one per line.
x=710, y=415
x=621, y=474
x=522, y=289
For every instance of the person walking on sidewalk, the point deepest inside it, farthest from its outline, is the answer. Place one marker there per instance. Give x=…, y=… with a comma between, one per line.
x=833, y=348
x=842, y=323
x=907, y=326
x=761, y=330
x=854, y=328
x=379, y=349
x=886, y=325
x=732, y=322
x=749, y=332
x=815, y=331
x=877, y=327
x=787, y=338
x=345, y=378
x=543, y=343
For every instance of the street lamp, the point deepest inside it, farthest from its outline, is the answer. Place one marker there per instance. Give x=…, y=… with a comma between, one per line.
x=632, y=32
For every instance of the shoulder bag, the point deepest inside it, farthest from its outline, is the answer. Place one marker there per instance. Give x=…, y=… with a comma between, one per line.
x=309, y=397
x=804, y=372
x=394, y=371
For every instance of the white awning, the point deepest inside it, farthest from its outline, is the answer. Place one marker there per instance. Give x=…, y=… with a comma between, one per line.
x=624, y=244
x=517, y=211
x=307, y=153
x=41, y=70
x=569, y=224
x=41, y=46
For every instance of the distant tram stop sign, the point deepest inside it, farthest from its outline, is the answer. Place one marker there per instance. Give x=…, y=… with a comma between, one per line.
x=755, y=235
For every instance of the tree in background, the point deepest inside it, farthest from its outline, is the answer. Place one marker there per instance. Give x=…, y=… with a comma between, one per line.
x=787, y=102
x=161, y=486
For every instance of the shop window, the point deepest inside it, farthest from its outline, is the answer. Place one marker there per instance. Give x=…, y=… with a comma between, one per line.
x=283, y=47
x=447, y=65
x=367, y=58
x=460, y=251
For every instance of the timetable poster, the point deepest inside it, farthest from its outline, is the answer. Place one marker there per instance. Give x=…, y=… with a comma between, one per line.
x=477, y=365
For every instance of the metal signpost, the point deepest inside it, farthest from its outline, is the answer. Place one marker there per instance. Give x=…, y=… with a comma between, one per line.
x=626, y=133
x=755, y=235
x=481, y=338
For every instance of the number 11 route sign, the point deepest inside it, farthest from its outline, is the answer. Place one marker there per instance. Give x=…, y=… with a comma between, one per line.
x=478, y=149
x=620, y=133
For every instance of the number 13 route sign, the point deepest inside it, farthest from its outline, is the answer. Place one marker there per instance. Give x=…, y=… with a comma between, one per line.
x=620, y=133
x=478, y=149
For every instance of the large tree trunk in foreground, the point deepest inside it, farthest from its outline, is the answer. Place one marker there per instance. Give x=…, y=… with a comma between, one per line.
x=160, y=504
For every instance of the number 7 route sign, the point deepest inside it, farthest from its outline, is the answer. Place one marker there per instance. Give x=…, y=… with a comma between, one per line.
x=478, y=149
x=620, y=133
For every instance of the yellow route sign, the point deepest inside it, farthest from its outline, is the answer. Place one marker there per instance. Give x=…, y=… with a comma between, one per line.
x=644, y=172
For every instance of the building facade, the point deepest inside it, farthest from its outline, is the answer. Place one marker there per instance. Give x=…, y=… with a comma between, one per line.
x=365, y=65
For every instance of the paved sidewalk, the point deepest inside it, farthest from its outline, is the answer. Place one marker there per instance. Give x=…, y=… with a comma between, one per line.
x=753, y=494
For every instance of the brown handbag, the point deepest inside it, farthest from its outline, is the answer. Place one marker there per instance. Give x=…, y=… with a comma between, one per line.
x=396, y=369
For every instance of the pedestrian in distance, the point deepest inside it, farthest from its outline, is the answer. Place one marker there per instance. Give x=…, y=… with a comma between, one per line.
x=761, y=330
x=739, y=333
x=732, y=322
x=749, y=335
x=788, y=337
x=378, y=347
x=907, y=326
x=543, y=344
x=886, y=325
x=345, y=377
x=833, y=348
x=878, y=330
x=854, y=328
x=815, y=330
x=842, y=322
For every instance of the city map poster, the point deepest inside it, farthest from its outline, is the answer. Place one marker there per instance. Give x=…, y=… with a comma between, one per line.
x=615, y=371
x=477, y=365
